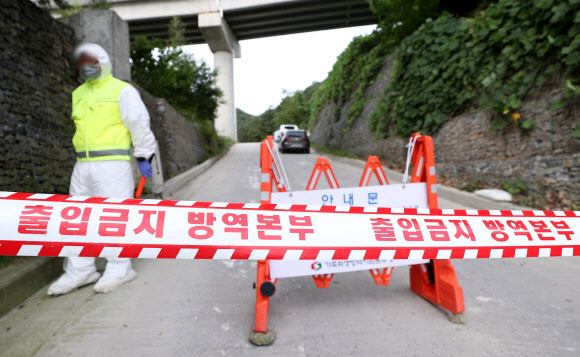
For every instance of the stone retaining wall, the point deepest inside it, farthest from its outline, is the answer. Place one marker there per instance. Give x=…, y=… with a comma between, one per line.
x=36, y=81
x=179, y=141
x=546, y=158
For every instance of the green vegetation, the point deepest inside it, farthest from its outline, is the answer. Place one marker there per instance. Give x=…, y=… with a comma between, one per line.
x=5, y=261
x=515, y=186
x=472, y=185
x=166, y=71
x=213, y=144
x=491, y=61
x=576, y=132
x=242, y=116
x=295, y=108
x=256, y=128
x=170, y=73
x=355, y=69
x=452, y=56
x=359, y=65
x=400, y=18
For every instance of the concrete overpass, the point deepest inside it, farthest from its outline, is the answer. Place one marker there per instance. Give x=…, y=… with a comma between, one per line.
x=222, y=23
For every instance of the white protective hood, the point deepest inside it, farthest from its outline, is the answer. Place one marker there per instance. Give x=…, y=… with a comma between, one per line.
x=99, y=53
x=133, y=112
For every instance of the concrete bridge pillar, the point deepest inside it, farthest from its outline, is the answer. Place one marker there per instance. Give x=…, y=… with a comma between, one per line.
x=107, y=29
x=226, y=121
x=225, y=47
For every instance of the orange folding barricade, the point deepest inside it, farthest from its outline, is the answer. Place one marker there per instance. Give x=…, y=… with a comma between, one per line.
x=435, y=281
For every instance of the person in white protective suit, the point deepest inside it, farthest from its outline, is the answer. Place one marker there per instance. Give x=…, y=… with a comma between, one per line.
x=109, y=116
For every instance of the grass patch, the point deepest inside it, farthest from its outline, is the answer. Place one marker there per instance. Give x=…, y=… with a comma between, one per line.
x=515, y=186
x=472, y=185
x=6, y=260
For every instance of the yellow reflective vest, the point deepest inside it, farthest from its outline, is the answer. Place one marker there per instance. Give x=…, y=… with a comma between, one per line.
x=100, y=133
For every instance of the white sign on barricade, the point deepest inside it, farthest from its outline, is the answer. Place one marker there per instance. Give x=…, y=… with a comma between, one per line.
x=412, y=195
x=321, y=267
x=408, y=195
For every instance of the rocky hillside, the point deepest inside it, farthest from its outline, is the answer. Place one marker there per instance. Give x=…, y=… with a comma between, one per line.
x=468, y=153
x=499, y=93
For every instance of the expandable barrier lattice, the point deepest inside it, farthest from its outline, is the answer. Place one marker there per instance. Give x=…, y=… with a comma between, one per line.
x=436, y=281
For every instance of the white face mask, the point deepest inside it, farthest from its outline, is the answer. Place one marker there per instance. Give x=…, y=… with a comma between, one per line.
x=89, y=72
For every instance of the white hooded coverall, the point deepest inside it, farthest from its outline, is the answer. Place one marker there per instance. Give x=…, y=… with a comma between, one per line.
x=108, y=179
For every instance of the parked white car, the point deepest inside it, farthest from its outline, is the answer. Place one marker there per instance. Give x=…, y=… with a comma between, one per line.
x=278, y=134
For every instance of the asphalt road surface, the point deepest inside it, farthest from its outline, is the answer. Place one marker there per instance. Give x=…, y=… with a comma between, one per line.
x=514, y=307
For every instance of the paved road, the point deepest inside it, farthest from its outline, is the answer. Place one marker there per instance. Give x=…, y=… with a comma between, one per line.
x=515, y=307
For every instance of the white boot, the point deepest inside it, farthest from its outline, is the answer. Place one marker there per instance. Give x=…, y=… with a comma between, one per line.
x=117, y=273
x=77, y=272
x=68, y=282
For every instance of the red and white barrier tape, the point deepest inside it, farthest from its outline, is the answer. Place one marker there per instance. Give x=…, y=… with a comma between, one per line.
x=58, y=225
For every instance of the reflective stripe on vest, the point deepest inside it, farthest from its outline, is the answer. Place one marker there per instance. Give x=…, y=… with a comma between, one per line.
x=100, y=132
x=114, y=152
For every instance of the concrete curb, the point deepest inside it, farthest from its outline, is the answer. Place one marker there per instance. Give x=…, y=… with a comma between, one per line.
x=174, y=184
x=447, y=192
x=19, y=281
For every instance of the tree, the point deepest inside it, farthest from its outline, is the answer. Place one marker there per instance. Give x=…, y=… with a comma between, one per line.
x=242, y=116
x=295, y=108
x=400, y=18
x=176, y=32
x=168, y=72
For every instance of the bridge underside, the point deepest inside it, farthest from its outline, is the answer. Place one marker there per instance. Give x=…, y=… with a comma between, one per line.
x=269, y=20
